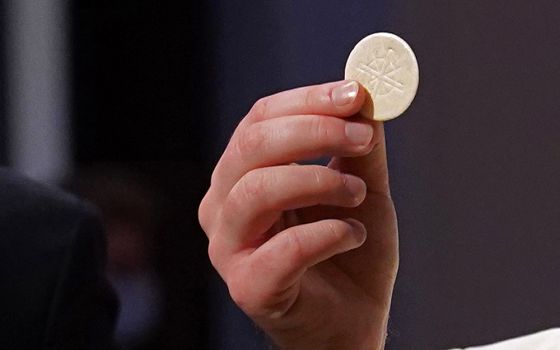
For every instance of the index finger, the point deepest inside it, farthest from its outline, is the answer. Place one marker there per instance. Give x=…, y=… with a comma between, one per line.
x=339, y=99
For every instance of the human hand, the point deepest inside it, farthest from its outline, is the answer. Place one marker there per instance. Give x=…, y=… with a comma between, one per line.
x=309, y=252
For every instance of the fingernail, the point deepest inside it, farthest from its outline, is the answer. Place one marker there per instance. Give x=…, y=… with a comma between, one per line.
x=359, y=133
x=358, y=229
x=356, y=187
x=345, y=94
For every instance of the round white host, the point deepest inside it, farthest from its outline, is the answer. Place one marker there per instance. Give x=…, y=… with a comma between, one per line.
x=386, y=66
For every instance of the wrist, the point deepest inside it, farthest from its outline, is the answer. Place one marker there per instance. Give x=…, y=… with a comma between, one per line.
x=366, y=336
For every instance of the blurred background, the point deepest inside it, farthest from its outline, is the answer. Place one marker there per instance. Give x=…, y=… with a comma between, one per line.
x=129, y=104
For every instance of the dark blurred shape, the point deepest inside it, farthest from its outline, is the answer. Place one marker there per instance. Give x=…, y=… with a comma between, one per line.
x=129, y=210
x=157, y=255
x=52, y=259
x=144, y=99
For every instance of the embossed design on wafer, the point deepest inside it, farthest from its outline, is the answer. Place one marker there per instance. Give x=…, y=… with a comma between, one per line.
x=386, y=66
x=379, y=71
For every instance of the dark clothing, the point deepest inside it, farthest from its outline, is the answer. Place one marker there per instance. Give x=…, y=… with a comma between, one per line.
x=53, y=289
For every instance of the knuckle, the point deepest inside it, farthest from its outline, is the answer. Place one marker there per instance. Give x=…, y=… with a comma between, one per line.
x=204, y=217
x=251, y=188
x=312, y=97
x=215, y=177
x=218, y=171
x=220, y=255
x=337, y=181
x=250, y=140
x=328, y=180
x=295, y=247
x=259, y=109
x=237, y=286
x=317, y=174
x=330, y=228
x=336, y=228
x=256, y=184
x=327, y=132
x=214, y=252
x=320, y=128
x=256, y=303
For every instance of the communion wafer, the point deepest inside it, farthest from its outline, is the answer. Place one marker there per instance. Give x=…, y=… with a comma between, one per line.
x=386, y=66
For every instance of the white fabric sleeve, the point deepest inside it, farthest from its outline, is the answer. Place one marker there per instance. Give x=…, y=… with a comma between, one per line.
x=544, y=340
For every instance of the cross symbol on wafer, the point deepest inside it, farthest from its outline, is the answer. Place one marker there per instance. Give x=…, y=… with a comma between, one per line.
x=386, y=66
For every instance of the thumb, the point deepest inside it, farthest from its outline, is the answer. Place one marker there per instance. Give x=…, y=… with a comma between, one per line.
x=372, y=168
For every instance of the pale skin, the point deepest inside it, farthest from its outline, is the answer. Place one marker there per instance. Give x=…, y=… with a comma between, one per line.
x=309, y=252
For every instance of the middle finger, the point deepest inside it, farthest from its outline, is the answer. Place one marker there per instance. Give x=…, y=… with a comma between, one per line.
x=290, y=139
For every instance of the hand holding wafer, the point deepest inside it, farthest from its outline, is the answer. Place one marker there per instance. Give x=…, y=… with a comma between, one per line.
x=309, y=252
